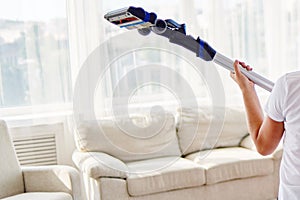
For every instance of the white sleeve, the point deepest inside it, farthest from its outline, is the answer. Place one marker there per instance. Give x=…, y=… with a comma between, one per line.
x=275, y=104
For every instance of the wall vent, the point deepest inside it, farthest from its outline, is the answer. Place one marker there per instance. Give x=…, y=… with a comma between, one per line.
x=37, y=144
x=39, y=150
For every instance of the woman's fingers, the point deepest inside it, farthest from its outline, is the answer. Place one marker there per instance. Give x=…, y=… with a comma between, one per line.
x=236, y=70
x=236, y=66
x=247, y=67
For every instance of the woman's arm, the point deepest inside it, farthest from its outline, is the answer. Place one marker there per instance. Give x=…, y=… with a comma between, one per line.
x=265, y=132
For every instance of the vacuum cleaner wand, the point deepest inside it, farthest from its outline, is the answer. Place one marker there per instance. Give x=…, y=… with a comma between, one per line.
x=144, y=22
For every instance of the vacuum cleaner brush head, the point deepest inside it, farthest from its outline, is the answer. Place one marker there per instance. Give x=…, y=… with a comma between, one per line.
x=131, y=18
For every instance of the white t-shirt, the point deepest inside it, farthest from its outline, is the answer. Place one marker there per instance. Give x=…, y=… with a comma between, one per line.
x=284, y=106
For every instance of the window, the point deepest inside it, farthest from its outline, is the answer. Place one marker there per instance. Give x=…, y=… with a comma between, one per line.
x=34, y=53
x=35, y=64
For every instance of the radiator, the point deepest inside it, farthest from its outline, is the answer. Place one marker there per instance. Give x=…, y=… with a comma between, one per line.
x=37, y=145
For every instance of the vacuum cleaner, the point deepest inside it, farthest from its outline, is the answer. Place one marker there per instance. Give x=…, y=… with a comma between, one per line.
x=147, y=22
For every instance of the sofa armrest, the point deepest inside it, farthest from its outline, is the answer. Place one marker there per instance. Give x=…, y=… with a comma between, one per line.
x=277, y=154
x=55, y=178
x=248, y=143
x=98, y=164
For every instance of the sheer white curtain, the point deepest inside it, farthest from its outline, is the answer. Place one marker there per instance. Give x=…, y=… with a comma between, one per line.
x=282, y=36
x=262, y=33
x=85, y=30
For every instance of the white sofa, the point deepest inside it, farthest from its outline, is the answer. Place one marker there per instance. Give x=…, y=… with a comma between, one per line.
x=34, y=183
x=191, y=156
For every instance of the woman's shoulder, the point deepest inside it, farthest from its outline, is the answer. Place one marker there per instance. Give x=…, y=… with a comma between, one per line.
x=289, y=77
x=295, y=74
x=290, y=80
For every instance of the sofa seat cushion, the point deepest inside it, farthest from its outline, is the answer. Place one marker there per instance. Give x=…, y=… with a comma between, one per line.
x=226, y=164
x=163, y=174
x=41, y=195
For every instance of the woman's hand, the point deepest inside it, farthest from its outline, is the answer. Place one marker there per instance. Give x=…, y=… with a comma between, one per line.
x=243, y=82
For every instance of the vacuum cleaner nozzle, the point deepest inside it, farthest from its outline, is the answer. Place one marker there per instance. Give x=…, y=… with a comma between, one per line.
x=132, y=18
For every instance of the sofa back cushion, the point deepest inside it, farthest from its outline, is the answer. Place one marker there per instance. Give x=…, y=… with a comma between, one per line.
x=11, y=178
x=130, y=139
x=207, y=128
